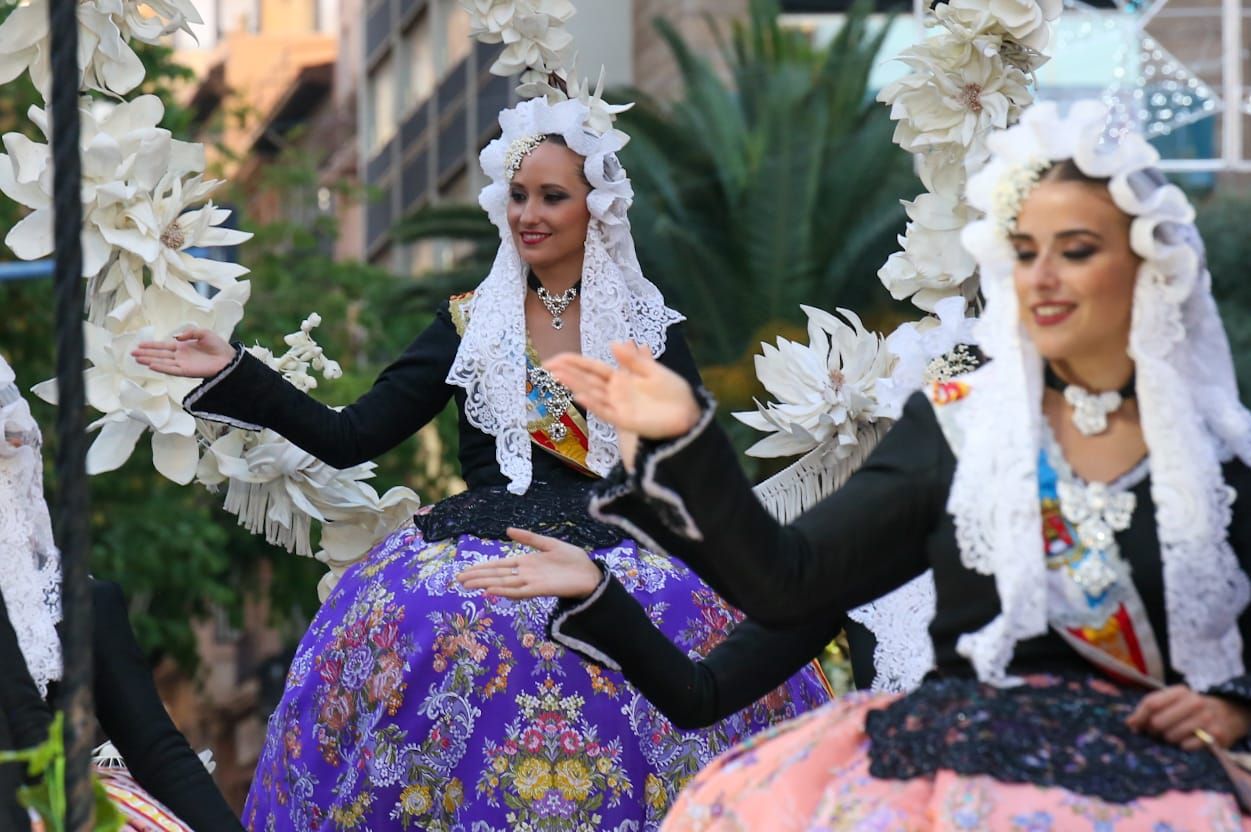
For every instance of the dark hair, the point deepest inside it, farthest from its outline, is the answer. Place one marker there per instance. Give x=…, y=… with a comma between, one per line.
x=1067, y=170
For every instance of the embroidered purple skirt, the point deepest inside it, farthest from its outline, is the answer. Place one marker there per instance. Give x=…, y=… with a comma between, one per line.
x=414, y=704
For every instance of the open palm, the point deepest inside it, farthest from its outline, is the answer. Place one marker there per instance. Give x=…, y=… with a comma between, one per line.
x=640, y=396
x=195, y=353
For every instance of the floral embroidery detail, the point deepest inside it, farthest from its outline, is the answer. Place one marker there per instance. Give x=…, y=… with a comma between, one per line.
x=553, y=765
x=438, y=740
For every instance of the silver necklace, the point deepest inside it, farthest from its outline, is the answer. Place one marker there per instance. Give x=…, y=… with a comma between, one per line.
x=1090, y=410
x=554, y=304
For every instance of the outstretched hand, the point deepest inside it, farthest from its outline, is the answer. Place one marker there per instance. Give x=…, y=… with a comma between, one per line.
x=553, y=568
x=640, y=396
x=194, y=353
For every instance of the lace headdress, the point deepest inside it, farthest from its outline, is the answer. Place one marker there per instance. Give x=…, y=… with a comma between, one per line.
x=617, y=302
x=30, y=566
x=1192, y=419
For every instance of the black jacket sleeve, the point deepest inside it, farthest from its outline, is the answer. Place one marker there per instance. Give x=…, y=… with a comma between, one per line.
x=134, y=718
x=612, y=628
x=406, y=396
x=24, y=721
x=861, y=542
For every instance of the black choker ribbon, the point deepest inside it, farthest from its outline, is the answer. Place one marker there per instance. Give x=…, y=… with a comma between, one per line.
x=1058, y=384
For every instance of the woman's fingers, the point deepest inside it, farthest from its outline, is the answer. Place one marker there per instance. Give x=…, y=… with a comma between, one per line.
x=632, y=357
x=529, y=538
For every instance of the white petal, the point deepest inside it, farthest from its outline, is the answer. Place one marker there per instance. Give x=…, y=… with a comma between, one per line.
x=175, y=457
x=113, y=446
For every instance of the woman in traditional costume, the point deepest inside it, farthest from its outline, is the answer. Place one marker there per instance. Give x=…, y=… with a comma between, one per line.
x=1081, y=500
x=155, y=780
x=412, y=702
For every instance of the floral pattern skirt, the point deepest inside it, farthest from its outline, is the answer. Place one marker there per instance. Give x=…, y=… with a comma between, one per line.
x=813, y=773
x=413, y=704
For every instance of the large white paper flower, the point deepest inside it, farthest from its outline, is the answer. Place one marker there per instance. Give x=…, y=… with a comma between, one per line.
x=532, y=32
x=1025, y=21
x=824, y=389
x=134, y=398
x=107, y=61
x=955, y=95
x=125, y=156
x=348, y=536
x=916, y=346
x=933, y=264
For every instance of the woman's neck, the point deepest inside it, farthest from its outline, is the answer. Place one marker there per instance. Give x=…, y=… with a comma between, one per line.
x=559, y=277
x=1097, y=374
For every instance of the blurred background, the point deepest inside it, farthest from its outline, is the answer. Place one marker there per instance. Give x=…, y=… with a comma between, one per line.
x=348, y=133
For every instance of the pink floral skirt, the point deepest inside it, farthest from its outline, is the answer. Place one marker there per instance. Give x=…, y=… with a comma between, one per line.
x=812, y=774
x=139, y=810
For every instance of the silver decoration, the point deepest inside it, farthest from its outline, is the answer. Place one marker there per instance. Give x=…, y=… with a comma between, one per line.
x=1090, y=410
x=1096, y=512
x=559, y=399
x=557, y=304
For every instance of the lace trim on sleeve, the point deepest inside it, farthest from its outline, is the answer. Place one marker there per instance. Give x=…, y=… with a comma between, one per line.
x=200, y=392
x=577, y=644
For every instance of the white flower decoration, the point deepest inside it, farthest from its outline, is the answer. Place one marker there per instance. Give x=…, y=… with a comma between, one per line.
x=600, y=114
x=824, y=389
x=345, y=540
x=1026, y=21
x=915, y=346
x=933, y=264
x=125, y=157
x=532, y=32
x=955, y=95
x=133, y=398
x=104, y=27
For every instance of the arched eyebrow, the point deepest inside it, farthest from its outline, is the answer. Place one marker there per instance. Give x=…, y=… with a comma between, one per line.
x=1063, y=235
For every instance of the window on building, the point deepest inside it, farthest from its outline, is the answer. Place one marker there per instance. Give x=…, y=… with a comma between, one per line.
x=420, y=62
x=458, y=41
x=380, y=103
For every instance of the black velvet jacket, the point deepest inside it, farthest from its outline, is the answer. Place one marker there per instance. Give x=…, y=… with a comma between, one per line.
x=884, y=527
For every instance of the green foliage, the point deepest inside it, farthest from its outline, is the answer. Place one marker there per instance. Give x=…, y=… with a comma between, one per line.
x=1222, y=222
x=778, y=187
x=178, y=555
x=47, y=795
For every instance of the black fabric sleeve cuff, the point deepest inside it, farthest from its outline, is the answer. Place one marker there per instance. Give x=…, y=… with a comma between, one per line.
x=645, y=502
x=572, y=623
x=218, y=399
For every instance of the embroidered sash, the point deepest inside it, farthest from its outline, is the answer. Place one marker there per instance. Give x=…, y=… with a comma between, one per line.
x=554, y=425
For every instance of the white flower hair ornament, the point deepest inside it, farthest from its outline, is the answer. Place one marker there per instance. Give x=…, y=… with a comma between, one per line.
x=1192, y=418
x=617, y=301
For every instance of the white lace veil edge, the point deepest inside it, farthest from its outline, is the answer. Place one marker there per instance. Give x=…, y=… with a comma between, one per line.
x=617, y=302
x=1192, y=418
x=30, y=565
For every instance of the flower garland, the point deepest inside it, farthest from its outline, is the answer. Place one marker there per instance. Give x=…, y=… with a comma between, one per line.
x=966, y=81
x=146, y=207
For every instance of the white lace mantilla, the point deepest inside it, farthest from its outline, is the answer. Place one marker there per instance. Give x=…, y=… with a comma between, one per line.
x=617, y=302
x=30, y=566
x=900, y=623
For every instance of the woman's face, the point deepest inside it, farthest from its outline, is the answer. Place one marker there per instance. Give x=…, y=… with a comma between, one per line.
x=1075, y=272
x=547, y=210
